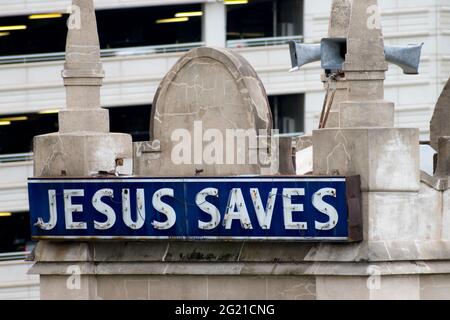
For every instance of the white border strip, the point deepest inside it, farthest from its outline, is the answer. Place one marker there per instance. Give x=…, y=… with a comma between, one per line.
x=165, y=180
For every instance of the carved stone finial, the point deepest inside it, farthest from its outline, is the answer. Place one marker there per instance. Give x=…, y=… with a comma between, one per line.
x=83, y=73
x=83, y=147
x=337, y=28
x=440, y=123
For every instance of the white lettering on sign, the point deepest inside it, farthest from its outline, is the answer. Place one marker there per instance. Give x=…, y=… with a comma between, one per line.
x=70, y=208
x=236, y=210
x=293, y=205
x=289, y=208
x=209, y=208
x=325, y=208
x=264, y=215
x=53, y=213
x=140, y=209
x=103, y=208
x=164, y=208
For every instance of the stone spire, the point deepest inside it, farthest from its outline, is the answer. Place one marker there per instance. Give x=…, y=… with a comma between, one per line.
x=365, y=67
x=83, y=73
x=440, y=135
x=440, y=123
x=366, y=143
x=338, y=28
x=356, y=146
x=83, y=147
x=365, y=64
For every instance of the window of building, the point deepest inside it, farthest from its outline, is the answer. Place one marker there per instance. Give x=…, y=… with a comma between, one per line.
x=20, y=35
x=134, y=120
x=288, y=113
x=118, y=28
x=17, y=131
x=15, y=234
x=149, y=26
x=265, y=19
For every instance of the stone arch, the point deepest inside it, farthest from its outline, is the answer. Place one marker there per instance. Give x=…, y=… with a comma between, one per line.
x=212, y=86
x=250, y=86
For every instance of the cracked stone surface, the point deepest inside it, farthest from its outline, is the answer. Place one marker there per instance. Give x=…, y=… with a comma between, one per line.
x=373, y=153
x=217, y=87
x=80, y=154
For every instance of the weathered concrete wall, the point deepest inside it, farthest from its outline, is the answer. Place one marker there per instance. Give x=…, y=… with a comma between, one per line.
x=180, y=270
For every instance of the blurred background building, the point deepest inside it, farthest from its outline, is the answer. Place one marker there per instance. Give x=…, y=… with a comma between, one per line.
x=142, y=39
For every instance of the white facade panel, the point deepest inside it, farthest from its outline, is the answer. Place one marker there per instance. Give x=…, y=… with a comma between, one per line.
x=13, y=186
x=15, y=283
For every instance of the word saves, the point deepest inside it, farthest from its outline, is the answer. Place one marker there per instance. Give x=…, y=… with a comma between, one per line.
x=163, y=209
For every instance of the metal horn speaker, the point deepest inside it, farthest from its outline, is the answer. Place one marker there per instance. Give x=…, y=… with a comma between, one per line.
x=333, y=51
x=302, y=54
x=406, y=57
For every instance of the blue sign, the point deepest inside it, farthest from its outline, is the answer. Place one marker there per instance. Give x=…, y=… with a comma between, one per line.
x=244, y=208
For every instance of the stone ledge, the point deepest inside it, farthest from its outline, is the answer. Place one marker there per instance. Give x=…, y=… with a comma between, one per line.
x=382, y=251
x=240, y=252
x=437, y=183
x=246, y=269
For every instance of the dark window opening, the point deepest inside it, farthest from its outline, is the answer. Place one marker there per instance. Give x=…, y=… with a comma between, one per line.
x=289, y=15
x=117, y=28
x=40, y=36
x=138, y=26
x=288, y=113
x=17, y=131
x=15, y=234
x=134, y=120
x=265, y=19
